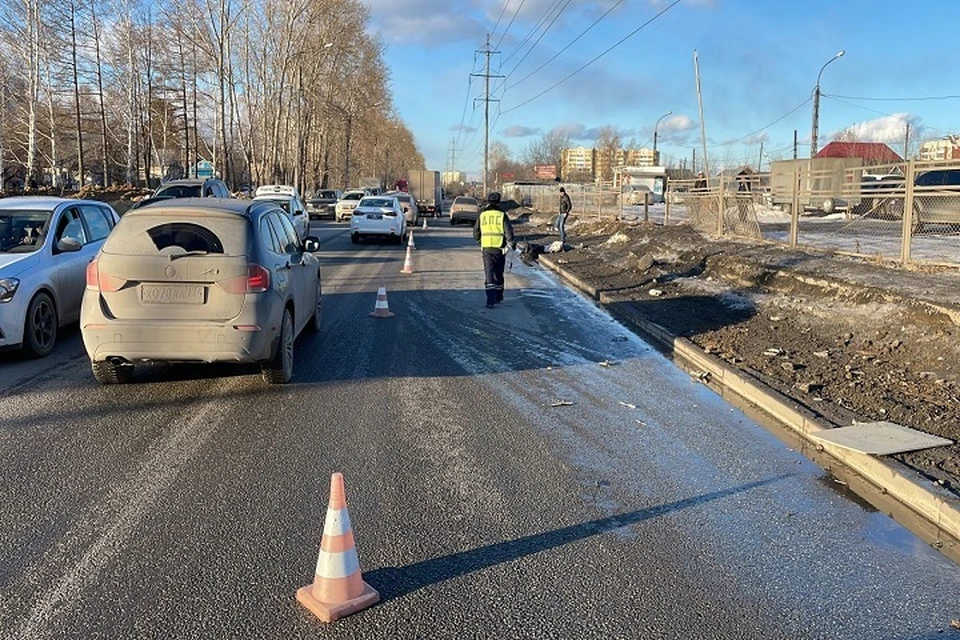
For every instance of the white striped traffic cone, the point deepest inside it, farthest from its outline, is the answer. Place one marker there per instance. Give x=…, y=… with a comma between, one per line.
x=338, y=588
x=424, y=226
x=408, y=261
x=410, y=242
x=382, y=308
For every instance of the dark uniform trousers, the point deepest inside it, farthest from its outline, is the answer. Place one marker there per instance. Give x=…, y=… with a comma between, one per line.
x=493, y=263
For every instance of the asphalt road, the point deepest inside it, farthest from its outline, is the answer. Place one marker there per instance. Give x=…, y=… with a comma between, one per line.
x=190, y=504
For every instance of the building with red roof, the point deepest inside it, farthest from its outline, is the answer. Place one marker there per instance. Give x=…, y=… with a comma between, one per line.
x=869, y=152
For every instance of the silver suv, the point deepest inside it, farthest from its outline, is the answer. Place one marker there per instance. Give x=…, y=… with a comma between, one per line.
x=201, y=280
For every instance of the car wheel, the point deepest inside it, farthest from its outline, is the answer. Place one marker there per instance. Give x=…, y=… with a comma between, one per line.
x=355, y=238
x=107, y=372
x=40, y=328
x=318, y=309
x=279, y=370
x=453, y=221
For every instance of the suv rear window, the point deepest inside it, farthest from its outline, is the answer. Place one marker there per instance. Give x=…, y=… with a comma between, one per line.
x=150, y=235
x=187, y=236
x=331, y=195
x=179, y=191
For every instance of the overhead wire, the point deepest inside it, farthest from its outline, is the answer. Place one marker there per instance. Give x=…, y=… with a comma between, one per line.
x=540, y=21
x=916, y=99
x=510, y=24
x=569, y=44
x=502, y=9
x=605, y=52
x=534, y=45
x=762, y=129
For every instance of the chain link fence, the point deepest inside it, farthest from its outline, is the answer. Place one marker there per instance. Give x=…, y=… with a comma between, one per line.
x=906, y=212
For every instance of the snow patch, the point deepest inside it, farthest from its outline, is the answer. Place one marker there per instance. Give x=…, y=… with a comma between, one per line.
x=618, y=238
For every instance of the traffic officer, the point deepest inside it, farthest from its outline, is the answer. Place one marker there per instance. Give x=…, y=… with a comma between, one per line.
x=494, y=233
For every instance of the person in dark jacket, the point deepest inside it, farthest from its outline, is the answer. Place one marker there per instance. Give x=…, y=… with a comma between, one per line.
x=494, y=233
x=565, y=207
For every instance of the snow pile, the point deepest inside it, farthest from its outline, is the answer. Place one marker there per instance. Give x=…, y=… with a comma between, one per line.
x=618, y=238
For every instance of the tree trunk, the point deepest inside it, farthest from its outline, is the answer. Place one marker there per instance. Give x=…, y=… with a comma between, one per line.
x=103, y=112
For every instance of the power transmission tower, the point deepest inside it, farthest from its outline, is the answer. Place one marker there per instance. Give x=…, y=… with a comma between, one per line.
x=486, y=75
x=453, y=155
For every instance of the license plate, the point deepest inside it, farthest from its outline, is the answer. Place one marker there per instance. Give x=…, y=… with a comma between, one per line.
x=374, y=217
x=171, y=294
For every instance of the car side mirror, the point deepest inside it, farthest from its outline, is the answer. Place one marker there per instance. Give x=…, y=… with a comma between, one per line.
x=69, y=245
x=311, y=244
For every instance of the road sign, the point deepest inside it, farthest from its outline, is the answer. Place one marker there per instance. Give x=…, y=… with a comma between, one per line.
x=204, y=169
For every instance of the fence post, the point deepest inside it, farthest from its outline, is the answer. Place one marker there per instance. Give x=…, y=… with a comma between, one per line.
x=907, y=239
x=720, y=209
x=795, y=207
x=620, y=196
x=646, y=206
x=600, y=201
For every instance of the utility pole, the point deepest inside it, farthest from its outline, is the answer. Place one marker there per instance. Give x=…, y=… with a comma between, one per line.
x=794, y=144
x=760, y=159
x=453, y=155
x=486, y=51
x=906, y=143
x=703, y=127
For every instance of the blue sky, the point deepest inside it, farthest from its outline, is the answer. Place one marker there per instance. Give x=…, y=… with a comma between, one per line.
x=759, y=61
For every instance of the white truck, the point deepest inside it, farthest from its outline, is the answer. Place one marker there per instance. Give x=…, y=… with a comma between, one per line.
x=424, y=186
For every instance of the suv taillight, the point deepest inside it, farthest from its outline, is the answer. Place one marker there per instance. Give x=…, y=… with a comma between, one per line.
x=97, y=281
x=257, y=280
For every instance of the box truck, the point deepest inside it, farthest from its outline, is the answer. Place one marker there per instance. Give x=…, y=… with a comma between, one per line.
x=424, y=186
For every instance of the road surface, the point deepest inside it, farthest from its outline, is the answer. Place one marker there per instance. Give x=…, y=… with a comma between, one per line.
x=190, y=504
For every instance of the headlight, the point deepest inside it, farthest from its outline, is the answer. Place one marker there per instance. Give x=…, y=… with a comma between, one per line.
x=8, y=287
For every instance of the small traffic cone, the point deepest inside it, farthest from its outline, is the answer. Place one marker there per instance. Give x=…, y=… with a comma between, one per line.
x=382, y=308
x=410, y=242
x=424, y=226
x=408, y=261
x=338, y=588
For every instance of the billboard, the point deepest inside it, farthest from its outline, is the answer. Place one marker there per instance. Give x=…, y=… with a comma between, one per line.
x=545, y=171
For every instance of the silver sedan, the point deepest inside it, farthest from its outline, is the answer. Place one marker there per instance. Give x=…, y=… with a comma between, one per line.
x=45, y=247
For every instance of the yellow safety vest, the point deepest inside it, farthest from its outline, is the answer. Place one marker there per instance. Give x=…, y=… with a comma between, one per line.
x=491, y=229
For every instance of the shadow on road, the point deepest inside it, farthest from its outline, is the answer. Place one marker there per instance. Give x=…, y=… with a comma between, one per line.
x=394, y=582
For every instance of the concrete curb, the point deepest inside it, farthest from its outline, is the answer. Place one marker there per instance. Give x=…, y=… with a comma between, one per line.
x=934, y=505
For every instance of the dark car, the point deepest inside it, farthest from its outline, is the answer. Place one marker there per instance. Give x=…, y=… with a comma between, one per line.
x=193, y=188
x=323, y=203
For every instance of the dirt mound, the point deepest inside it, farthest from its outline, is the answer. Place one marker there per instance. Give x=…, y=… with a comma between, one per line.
x=831, y=332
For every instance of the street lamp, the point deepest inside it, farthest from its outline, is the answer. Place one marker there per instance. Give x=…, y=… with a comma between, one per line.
x=655, y=161
x=816, y=105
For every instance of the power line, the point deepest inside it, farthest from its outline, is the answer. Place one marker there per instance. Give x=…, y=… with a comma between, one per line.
x=534, y=45
x=463, y=114
x=569, y=44
x=605, y=52
x=505, y=31
x=540, y=21
x=920, y=99
x=749, y=135
x=850, y=104
x=502, y=9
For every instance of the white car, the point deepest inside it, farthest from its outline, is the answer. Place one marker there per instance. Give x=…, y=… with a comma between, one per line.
x=290, y=201
x=410, y=210
x=378, y=216
x=45, y=247
x=347, y=203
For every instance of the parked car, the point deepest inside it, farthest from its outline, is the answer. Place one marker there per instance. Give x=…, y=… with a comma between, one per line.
x=464, y=209
x=410, y=210
x=936, y=198
x=378, y=216
x=192, y=188
x=323, y=203
x=201, y=281
x=347, y=203
x=289, y=200
x=45, y=245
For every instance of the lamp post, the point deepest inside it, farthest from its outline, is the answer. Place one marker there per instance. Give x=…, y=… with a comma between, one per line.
x=816, y=105
x=656, y=162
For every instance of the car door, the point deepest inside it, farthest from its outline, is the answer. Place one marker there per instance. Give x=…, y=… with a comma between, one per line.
x=304, y=282
x=70, y=267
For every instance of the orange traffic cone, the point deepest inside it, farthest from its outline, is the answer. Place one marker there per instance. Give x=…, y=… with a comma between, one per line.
x=410, y=242
x=424, y=224
x=382, y=308
x=408, y=261
x=338, y=588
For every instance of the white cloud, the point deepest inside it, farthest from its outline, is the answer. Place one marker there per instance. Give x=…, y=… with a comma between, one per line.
x=886, y=129
x=675, y=124
x=425, y=22
x=520, y=131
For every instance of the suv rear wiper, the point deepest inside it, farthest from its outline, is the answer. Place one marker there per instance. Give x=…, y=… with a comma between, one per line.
x=174, y=256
